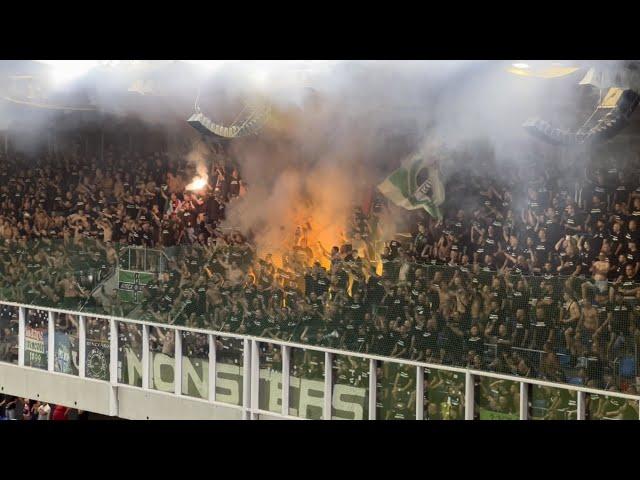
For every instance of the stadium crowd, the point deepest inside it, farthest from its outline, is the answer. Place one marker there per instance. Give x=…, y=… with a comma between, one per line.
x=538, y=280
x=16, y=408
x=531, y=271
x=62, y=217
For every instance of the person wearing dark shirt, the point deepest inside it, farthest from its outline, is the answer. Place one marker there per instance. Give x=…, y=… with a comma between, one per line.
x=572, y=221
x=390, y=264
x=541, y=329
x=474, y=341
x=234, y=183
x=632, y=257
x=598, y=210
x=616, y=238
x=521, y=329
x=374, y=290
x=570, y=264
x=633, y=232
x=541, y=250
x=394, y=303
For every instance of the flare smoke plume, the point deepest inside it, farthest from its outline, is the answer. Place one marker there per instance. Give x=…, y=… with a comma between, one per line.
x=327, y=148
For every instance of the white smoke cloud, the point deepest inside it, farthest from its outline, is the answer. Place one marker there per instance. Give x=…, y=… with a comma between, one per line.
x=326, y=148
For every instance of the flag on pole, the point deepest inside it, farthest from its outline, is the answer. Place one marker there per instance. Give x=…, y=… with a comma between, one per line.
x=416, y=184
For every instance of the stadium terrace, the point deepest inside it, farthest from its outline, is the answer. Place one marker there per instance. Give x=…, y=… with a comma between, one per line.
x=493, y=276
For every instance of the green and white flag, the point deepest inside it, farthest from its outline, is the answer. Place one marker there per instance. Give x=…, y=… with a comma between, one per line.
x=416, y=184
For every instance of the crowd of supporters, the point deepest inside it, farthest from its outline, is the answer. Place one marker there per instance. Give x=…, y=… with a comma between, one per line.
x=531, y=271
x=64, y=215
x=539, y=279
x=17, y=408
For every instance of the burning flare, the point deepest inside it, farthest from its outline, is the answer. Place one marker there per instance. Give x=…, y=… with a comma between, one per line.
x=201, y=179
x=198, y=183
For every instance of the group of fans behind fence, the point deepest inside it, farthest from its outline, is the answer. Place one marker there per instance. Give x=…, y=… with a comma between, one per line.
x=530, y=271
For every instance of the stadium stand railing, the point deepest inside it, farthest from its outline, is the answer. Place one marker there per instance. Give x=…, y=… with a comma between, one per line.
x=584, y=381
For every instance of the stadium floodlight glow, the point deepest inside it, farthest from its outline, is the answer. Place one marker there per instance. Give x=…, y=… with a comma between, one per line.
x=259, y=77
x=65, y=71
x=208, y=65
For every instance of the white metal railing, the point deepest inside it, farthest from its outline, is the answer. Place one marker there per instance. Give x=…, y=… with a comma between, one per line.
x=249, y=399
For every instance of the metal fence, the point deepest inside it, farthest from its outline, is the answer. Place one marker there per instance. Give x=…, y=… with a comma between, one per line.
x=422, y=321
x=262, y=376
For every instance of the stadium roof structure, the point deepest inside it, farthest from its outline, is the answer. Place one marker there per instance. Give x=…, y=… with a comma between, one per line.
x=605, y=103
x=158, y=89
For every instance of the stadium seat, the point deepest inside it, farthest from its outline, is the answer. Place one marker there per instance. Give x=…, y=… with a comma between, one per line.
x=628, y=367
x=539, y=403
x=565, y=360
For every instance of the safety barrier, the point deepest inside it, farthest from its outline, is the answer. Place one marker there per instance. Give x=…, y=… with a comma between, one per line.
x=267, y=377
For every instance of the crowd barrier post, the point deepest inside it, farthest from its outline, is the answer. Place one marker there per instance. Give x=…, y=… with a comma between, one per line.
x=145, y=357
x=51, y=323
x=469, y=391
x=177, y=369
x=21, y=335
x=419, y=393
x=113, y=351
x=212, y=368
x=285, y=379
x=255, y=378
x=372, y=389
x=113, y=366
x=82, y=337
x=246, y=378
x=581, y=404
x=524, y=401
x=328, y=359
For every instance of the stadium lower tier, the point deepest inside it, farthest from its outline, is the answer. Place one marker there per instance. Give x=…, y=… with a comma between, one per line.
x=134, y=369
x=569, y=330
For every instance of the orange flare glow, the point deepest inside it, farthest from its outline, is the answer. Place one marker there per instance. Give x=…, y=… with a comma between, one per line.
x=198, y=183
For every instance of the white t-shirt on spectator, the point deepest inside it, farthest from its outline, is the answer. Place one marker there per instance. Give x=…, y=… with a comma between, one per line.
x=44, y=412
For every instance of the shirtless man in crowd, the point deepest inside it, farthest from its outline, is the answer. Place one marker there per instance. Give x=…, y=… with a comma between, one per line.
x=600, y=271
